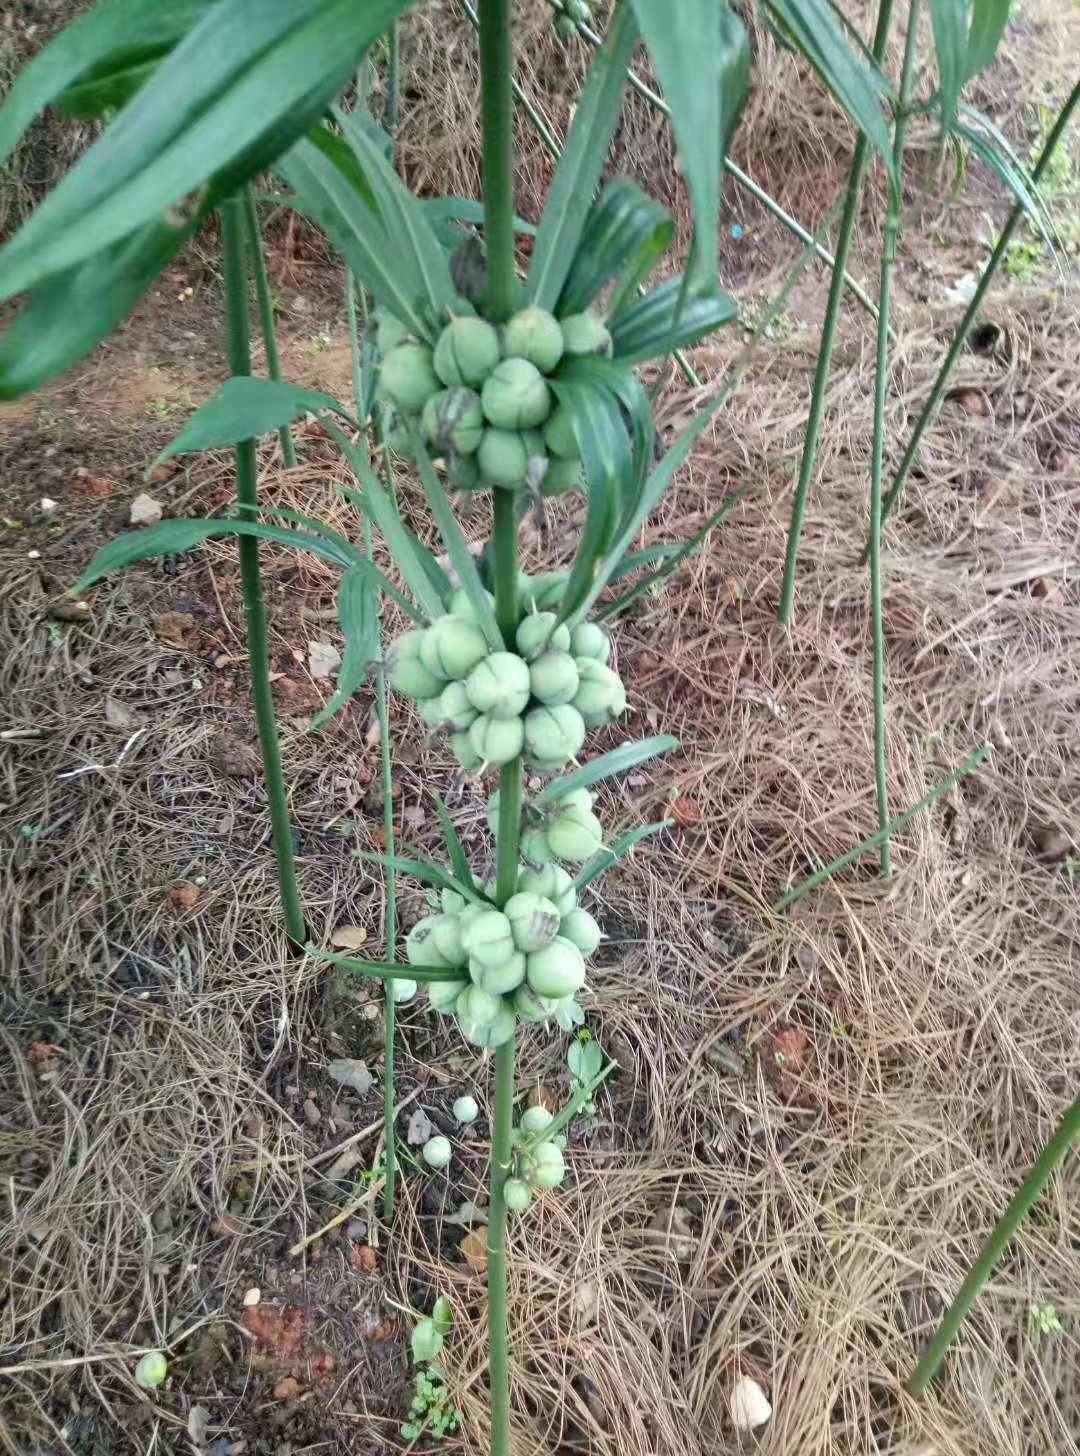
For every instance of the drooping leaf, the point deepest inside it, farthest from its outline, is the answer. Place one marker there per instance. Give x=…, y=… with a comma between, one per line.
x=605, y=858
x=582, y=163
x=442, y=1314
x=988, y=21
x=624, y=398
x=426, y=870
x=237, y=90
x=245, y=408
x=459, y=860
x=384, y=970
x=618, y=760
x=445, y=213
x=626, y=233
x=858, y=85
x=950, y=46
x=358, y=614
x=702, y=57
x=992, y=148
x=673, y=316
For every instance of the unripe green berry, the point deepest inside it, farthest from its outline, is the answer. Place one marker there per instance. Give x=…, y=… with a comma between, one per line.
x=497, y=740
x=443, y=995
x=515, y=396
x=534, y=846
x=477, y=1005
x=467, y=757
x=499, y=1029
x=599, y=688
x=430, y=710
x=501, y=979
x=610, y=713
x=576, y=834
x=577, y=798
x=451, y=647
x=535, y=335
x=536, y=1119
x=541, y=632
x=499, y=685
x=517, y=1195
x=531, y=1007
x=152, y=1369
x=466, y=1109
x=466, y=352
x=461, y=605
x=437, y=1152
x=534, y=920
x=553, y=678
x=560, y=477
x=590, y=640
x=565, y=27
x=547, y=1169
x=400, y=989
x=389, y=332
x=408, y=378
x=584, y=333
x=503, y=458
x=553, y=883
x=453, y=420
x=580, y=929
x=554, y=734
x=452, y=903
x=559, y=434
x=455, y=710
x=436, y=941
x=557, y=970
x=489, y=938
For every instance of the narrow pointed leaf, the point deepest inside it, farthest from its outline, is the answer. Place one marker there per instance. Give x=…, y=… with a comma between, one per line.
x=667, y=319
x=245, y=408
x=624, y=399
x=459, y=860
x=617, y=761
x=627, y=233
x=992, y=148
x=950, y=46
x=441, y=210
x=349, y=553
x=582, y=163
x=702, y=57
x=358, y=614
x=607, y=857
x=426, y=870
x=385, y=970
x=988, y=21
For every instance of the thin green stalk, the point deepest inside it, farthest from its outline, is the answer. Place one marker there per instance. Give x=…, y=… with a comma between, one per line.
x=888, y=262
x=502, y=1154
x=964, y=328
x=497, y=119
x=267, y=323
x=828, y=341
x=393, y=80
x=247, y=494
x=872, y=841
x=386, y=777
x=1066, y=1133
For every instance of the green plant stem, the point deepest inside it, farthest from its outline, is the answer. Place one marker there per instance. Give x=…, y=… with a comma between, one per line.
x=393, y=79
x=964, y=327
x=267, y=323
x=872, y=841
x=247, y=495
x=497, y=118
x=498, y=1326
x=888, y=262
x=1066, y=1133
x=828, y=341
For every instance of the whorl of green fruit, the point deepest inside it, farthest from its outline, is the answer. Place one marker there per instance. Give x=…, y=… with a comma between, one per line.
x=580, y=929
x=467, y=757
x=541, y=632
x=554, y=735
x=496, y=740
x=408, y=675
x=535, y=335
x=499, y=685
x=498, y=980
x=430, y=710
x=461, y=604
x=534, y=845
x=489, y=938
x=491, y=1033
x=466, y=1109
x=515, y=396
x=400, y=989
x=389, y=332
x=553, y=883
x=436, y=941
x=575, y=834
x=454, y=420
x=451, y=647
x=541, y=593
x=408, y=377
x=553, y=678
x=588, y=639
x=599, y=688
x=584, y=333
x=455, y=709
x=503, y=458
x=534, y=920
x=557, y=970
x=443, y=995
x=466, y=352
x=546, y=1168
x=531, y=1007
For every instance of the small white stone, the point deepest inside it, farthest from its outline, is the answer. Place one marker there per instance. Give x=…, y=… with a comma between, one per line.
x=48, y=507
x=145, y=511
x=33, y=556
x=750, y=1406
x=251, y=1298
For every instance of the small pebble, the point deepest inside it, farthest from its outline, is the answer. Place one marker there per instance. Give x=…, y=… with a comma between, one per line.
x=251, y=1298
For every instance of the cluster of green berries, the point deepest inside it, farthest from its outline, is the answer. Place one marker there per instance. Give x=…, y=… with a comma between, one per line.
x=538, y=701
x=481, y=397
x=536, y=1164
x=573, y=14
x=525, y=962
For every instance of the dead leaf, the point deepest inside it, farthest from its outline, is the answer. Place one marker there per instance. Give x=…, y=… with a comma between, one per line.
x=96, y=487
x=474, y=1249
x=349, y=937
x=685, y=810
x=420, y=1128
x=145, y=511
x=468, y=1214
x=287, y=1389
x=119, y=715
x=236, y=758
x=363, y=1258
x=184, y=897
x=198, y=1421
x=323, y=659
x=165, y=471
x=671, y=1232
x=586, y=1301
x=351, y=1072
x=175, y=629
x=786, y=1055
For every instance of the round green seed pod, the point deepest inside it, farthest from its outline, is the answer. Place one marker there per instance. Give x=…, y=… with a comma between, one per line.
x=515, y=396
x=576, y=834
x=576, y=798
x=559, y=434
x=489, y=938
x=466, y=1109
x=455, y=710
x=477, y=1005
x=561, y=476
x=453, y=420
x=534, y=920
x=437, y=1152
x=491, y=1033
x=407, y=377
x=503, y=458
x=535, y=335
x=617, y=707
x=584, y=333
x=152, y=1369
x=452, y=903
x=536, y=456
x=499, y=980
x=443, y=995
x=553, y=883
x=467, y=757
x=389, y=332
x=517, y=1195
x=590, y=640
x=531, y=1007
x=599, y=687
x=579, y=10
x=431, y=713
x=461, y=604
x=534, y=846
x=553, y=678
x=451, y=647
x=400, y=989
x=497, y=740
x=547, y=1167
x=466, y=352
x=539, y=633
x=499, y=685
x=580, y=929
x=463, y=473
x=557, y=970
x=554, y=734
x=565, y=27
x=545, y=592
x=536, y=1119
x=408, y=675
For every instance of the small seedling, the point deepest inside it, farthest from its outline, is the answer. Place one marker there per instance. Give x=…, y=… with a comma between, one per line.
x=1043, y=1320
x=431, y=1411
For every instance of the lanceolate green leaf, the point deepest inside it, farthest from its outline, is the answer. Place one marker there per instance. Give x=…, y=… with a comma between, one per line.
x=992, y=148
x=988, y=21
x=669, y=318
x=702, y=57
x=385, y=970
x=426, y=870
x=606, y=857
x=245, y=408
x=617, y=761
x=582, y=163
x=358, y=614
x=459, y=860
x=626, y=235
x=622, y=396
x=950, y=45
x=467, y=210
x=854, y=81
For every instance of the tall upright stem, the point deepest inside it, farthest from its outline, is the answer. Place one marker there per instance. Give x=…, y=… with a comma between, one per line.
x=964, y=328
x=393, y=80
x=1066, y=1133
x=888, y=261
x=239, y=338
x=828, y=340
x=497, y=116
x=267, y=324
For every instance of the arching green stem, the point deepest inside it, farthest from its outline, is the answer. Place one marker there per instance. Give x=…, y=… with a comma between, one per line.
x=267, y=323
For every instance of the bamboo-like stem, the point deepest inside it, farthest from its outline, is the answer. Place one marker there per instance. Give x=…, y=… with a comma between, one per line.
x=247, y=495
x=267, y=322
x=964, y=327
x=1066, y=1133
x=498, y=1328
x=828, y=341
x=888, y=262
x=497, y=119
